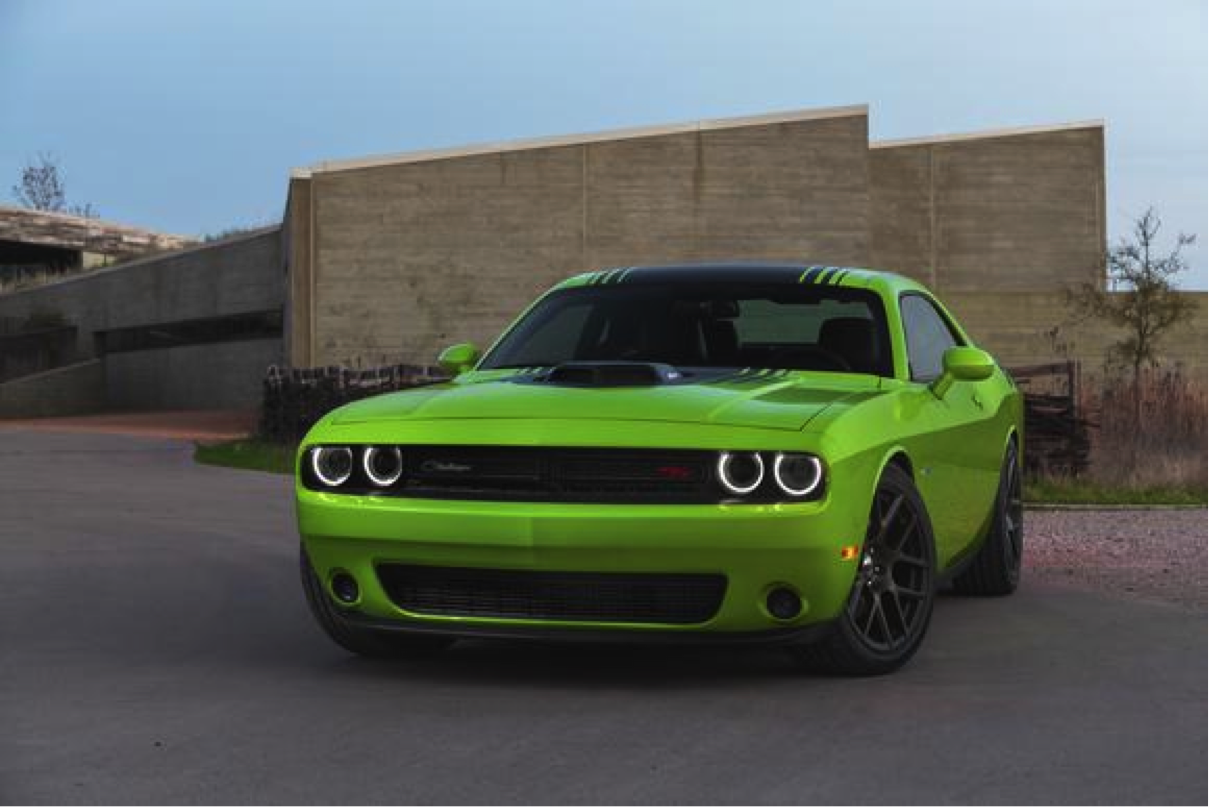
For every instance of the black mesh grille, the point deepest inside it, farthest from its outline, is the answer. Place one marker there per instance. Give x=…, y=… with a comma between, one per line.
x=558, y=474
x=676, y=599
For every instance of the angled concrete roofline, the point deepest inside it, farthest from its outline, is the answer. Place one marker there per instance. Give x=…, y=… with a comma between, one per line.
x=986, y=134
x=527, y=144
x=86, y=222
x=134, y=263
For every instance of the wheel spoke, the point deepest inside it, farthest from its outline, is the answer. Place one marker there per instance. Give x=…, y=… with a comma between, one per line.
x=874, y=607
x=902, y=615
x=883, y=622
x=888, y=519
x=909, y=531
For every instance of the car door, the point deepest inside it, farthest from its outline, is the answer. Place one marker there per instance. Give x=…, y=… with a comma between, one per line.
x=957, y=480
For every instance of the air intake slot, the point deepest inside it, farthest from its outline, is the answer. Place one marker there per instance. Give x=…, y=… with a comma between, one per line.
x=612, y=374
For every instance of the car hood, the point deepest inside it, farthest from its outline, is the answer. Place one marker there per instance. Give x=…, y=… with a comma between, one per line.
x=754, y=399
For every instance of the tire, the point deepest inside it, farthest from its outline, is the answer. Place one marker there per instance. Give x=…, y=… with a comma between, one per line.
x=890, y=606
x=995, y=570
x=360, y=641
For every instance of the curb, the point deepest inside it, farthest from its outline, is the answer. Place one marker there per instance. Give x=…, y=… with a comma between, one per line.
x=1076, y=508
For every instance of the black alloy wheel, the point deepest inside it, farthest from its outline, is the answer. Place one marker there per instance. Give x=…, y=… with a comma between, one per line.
x=995, y=570
x=890, y=605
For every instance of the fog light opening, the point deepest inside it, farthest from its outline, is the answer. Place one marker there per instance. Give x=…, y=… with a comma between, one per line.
x=345, y=588
x=783, y=603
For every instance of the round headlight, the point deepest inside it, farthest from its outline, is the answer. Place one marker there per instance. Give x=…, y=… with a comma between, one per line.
x=740, y=473
x=797, y=474
x=332, y=465
x=383, y=465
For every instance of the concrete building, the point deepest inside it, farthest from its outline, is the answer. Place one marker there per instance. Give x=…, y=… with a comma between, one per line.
x=387, y=260
x=392, y=258
x=39, y=243
x=191, y=329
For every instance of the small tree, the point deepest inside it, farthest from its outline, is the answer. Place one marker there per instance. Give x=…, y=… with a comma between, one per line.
x=1141, y=298
x=42, y=188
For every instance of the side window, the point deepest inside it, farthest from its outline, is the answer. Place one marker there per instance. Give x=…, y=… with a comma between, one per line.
x=928, y=337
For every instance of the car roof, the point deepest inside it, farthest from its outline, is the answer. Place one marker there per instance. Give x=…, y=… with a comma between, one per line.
x=753, y=272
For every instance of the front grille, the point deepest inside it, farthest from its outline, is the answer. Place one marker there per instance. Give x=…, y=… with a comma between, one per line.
x=674, y=599
x=522, y=473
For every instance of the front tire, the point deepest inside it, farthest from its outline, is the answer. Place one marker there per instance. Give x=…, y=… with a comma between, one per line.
x=360, y=641
x=890, y=605
x=995, y=570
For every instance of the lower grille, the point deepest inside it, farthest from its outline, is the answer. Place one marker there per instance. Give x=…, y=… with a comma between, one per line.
x=676, y=599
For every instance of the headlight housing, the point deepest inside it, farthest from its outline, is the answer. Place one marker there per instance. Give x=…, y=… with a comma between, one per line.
x=797, y=475
x=759, y=476
x=332, y=466
x=740, y=472
x=383, y=465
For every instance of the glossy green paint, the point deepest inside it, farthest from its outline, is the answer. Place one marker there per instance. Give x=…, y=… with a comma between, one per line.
x=457, y=359
x=951, y=438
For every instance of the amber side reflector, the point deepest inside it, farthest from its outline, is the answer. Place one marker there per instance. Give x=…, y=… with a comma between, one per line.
x=849, y=552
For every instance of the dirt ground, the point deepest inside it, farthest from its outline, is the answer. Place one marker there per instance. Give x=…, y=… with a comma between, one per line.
x=200, y=425
x=1157, y=554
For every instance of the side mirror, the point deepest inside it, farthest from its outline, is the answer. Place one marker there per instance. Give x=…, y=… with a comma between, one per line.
x=963, y=364
x=458, y=359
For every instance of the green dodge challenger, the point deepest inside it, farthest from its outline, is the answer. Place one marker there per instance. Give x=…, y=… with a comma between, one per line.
x=750, y=453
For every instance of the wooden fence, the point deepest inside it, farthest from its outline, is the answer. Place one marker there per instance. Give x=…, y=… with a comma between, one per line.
x=295, y=399
x=1056, y=433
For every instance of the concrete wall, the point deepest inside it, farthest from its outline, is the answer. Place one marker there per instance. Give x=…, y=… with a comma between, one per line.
x=394, y=259
x=222, y=375
x=1035, y=327
x=240, y=275
x=1015, y=211
x=71, y=390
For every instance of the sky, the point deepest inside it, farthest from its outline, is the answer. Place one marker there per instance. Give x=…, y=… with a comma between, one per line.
x=188, y=116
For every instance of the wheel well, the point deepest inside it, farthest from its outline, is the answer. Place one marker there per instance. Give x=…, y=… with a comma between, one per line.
x=904, y=462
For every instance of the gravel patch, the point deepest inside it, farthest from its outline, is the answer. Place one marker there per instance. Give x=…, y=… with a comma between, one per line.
x=1148, y=554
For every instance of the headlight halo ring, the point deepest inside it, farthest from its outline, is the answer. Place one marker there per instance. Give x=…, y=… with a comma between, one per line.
x=317, y=456
x=724, y=461
x=367, y=464
x=779, y=475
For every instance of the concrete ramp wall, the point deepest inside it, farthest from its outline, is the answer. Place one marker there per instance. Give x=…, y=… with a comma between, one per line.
x=72, y=390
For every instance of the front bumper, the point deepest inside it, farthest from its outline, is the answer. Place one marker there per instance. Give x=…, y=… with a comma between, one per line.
x=755, y=546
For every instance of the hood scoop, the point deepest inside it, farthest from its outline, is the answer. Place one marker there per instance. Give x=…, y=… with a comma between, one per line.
x=610, y=374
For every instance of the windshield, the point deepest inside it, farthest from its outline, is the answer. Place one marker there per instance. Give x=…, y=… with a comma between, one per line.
x=704, y=325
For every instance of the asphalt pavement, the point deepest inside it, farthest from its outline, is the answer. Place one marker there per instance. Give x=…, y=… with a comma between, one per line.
x=155, y=648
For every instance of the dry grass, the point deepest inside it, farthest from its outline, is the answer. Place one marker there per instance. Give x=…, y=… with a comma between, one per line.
x=1152, y=436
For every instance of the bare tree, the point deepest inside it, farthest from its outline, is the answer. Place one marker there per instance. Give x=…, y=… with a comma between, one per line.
x=1141, y=298
x=42, y=188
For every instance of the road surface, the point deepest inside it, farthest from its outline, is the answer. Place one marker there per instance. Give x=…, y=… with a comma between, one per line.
x=154, y=648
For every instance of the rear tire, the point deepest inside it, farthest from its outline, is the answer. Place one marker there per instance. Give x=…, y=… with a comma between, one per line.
x=995, y=570
x=361, y=641
x=890, y=606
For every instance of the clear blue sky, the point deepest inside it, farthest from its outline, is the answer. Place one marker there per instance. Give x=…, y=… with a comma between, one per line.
x=187, y=116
